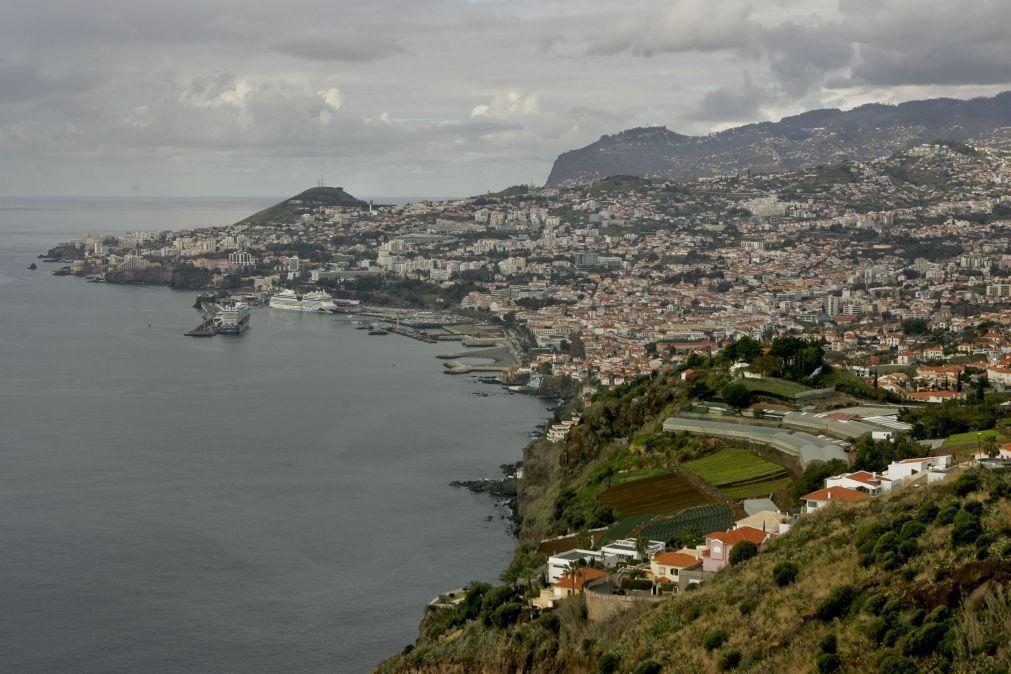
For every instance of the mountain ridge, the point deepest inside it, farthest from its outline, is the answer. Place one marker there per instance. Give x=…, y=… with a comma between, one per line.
x=821, y=136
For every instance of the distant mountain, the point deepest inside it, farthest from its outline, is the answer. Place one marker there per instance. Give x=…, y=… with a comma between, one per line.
x=292, y=209
x=809, y=139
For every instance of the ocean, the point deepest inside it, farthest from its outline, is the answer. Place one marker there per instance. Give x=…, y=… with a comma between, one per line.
x=276, y=501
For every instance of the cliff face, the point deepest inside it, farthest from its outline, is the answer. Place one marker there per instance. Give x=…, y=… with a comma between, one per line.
x=808, y=139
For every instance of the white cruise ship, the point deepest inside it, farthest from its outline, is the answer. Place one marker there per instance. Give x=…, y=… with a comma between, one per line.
x=232, y=318
x=315, y=301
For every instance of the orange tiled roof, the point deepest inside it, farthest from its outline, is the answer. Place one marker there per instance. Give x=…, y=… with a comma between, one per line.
x=678, y=560
x=577, y=579
x=835, y=494
x=734, y=536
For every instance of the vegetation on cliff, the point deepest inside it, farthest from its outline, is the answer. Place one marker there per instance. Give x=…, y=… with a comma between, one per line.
x=913, y=582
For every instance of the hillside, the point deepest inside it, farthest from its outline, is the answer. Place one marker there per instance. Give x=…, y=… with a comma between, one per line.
x=291, y=209
x=915, y=582
x=809, y=139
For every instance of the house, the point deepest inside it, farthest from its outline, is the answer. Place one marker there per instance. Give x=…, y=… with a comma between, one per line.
x=869, y=483
x=566, y=586
x=905, y=469
x=999, y=375
x=667, y=566
x=563, y=562
x=626, y=550
x=823, y=497
x=767, y=520
x=936, y=397
x=720, y=544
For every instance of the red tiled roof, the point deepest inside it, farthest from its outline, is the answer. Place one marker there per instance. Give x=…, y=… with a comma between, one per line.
x=678, y=560
x=734, y=536
x=835, y=494
x=577, y=579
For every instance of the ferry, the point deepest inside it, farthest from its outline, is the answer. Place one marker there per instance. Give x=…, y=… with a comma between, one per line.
x=232, y=318
x=314, y=301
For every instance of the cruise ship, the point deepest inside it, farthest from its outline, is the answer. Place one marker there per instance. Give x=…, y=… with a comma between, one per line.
x=232, y=318
x=316, y=301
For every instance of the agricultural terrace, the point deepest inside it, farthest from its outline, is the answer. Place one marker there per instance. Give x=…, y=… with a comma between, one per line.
x=659, y=495
x=740, y=474
x=777, y=387
x=732, y=465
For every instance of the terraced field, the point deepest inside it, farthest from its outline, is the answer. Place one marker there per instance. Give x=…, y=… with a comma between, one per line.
x=740, y=474
x=658, y=495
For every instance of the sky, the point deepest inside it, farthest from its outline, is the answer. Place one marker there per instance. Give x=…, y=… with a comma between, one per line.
x=437, y=97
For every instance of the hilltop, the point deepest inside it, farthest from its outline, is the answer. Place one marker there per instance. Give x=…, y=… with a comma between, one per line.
x=809, y=139
x=291, y=209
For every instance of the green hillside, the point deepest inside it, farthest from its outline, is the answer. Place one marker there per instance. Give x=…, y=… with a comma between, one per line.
x=290, y=210
x=918, y=581
x=915, y=582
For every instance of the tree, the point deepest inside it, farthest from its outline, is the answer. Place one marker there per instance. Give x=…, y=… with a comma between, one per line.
x=742, y=552
x=915, y=326
x=737, y=395
x=990, y=446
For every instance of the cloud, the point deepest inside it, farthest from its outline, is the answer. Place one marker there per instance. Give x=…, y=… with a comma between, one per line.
x=351, y=48
x=507, y=105
x=426, y=95
x=23, y=82
x=741, y=103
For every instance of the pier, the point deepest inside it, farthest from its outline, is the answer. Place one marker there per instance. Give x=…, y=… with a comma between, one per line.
x=207, y=328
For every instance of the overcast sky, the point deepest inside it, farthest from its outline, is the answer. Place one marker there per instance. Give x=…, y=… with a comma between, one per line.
x=437, y=97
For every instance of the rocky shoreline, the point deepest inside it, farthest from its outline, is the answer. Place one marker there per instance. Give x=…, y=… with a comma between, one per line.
x=504, y=489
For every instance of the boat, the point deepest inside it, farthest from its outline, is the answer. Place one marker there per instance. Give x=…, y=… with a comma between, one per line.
x=377, y=329
x=315, y=301
x=232, y=319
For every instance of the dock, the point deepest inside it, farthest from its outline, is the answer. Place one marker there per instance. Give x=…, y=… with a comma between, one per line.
x=207, y=328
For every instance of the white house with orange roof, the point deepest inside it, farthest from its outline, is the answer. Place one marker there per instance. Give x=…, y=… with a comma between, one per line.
x=667, y=566
x=829, y=495
x=569, y=584
x=862, y=480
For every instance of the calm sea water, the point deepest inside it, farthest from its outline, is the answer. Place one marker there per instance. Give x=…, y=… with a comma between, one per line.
x=272, y=502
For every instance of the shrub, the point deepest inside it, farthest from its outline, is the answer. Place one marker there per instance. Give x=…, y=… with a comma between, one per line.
x=742, y=552
x=506, y=615
x=912, y=529
x=966, y=483
x=895, y=664
x=829, y=644
x=874, y=604
x=608, y=663
x=829, y=662
x=748, y=606
x=729, y=660
x=965, y=529
x=838, y=603
x=925, y=639
x=927, y=512
x=648, y=667
x=785, y=573
x=713, y=639
x=947, y=515
x=973, y=508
